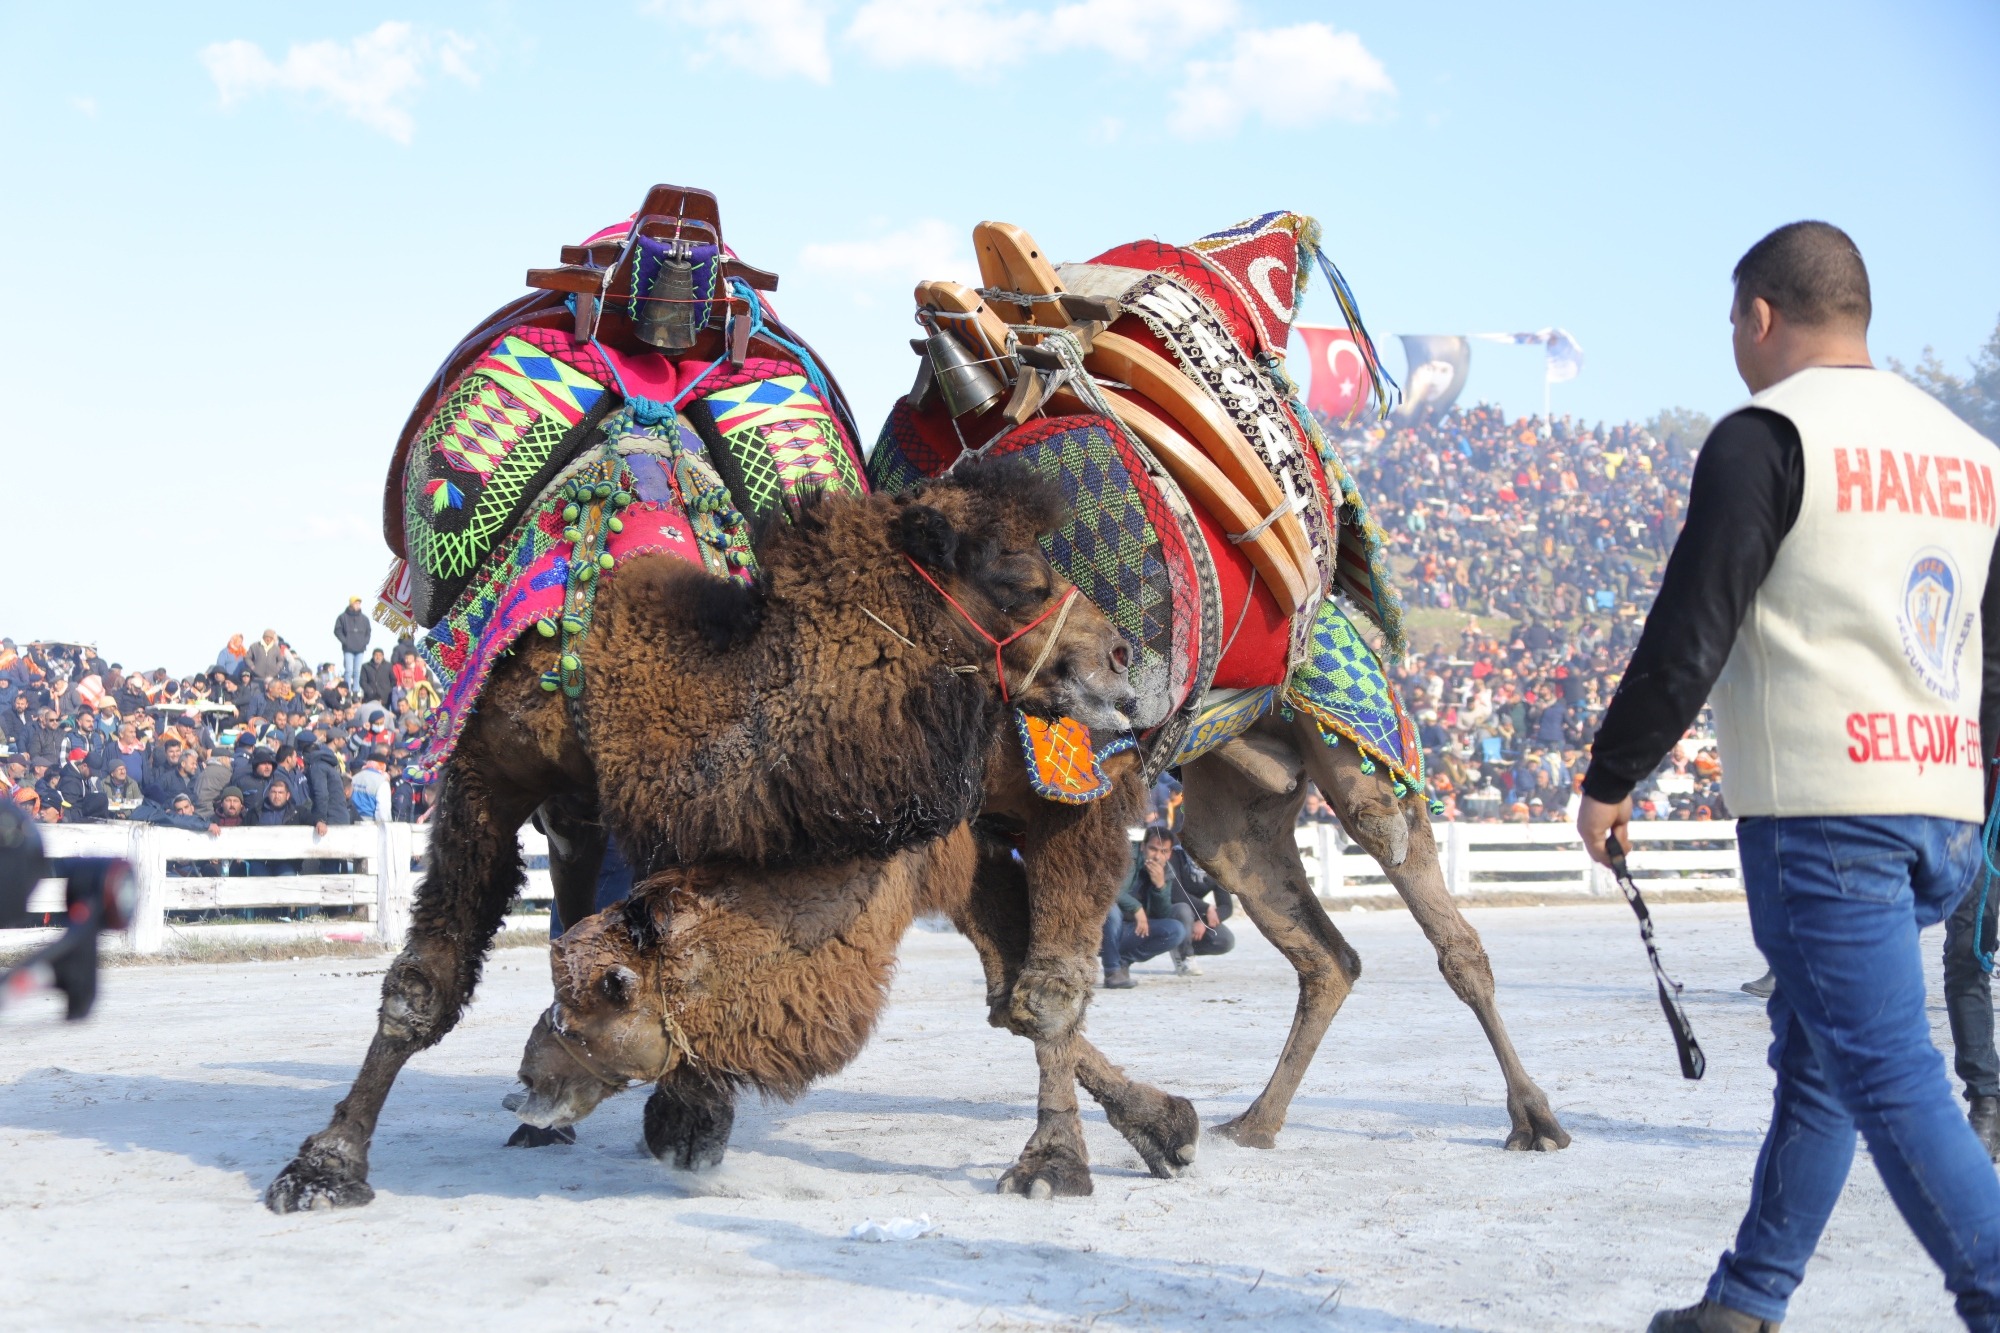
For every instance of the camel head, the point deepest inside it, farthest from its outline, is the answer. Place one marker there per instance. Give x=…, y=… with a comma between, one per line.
x=605, y=1029
x=975, y=536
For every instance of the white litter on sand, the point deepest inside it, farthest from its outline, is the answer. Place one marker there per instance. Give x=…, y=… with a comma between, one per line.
x=134, y=1148
x=894, y=1228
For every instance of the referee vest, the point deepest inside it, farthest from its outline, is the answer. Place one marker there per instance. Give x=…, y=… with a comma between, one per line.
x=1853, y=685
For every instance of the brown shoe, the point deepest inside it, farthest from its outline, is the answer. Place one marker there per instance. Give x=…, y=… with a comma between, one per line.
x=1120, y=980
x=1708, y=1317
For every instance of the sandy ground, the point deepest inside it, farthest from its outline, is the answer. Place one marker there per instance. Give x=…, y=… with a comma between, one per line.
x=133, y=1150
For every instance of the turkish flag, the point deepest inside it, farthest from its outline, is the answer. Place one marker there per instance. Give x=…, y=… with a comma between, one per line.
x=1340, y=383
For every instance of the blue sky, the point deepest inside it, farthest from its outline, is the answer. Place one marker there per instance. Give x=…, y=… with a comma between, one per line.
x=238, y=238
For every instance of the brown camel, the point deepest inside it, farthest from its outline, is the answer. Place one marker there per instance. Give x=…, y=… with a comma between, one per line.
x=618, y=989
x=713, y=978
x=840, y=710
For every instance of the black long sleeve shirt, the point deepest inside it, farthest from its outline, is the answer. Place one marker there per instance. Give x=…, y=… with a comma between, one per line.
x=1744, y=498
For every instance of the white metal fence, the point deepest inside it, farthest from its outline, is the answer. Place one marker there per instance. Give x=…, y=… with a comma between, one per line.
x=1545, y=860
x=368, y=871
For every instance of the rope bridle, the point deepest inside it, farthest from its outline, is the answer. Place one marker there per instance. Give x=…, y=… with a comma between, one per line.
x=1060, y=609
x=678, y=1051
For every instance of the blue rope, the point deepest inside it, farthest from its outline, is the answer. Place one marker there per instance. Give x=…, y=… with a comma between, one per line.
x=759, y=325
x=1992, y=844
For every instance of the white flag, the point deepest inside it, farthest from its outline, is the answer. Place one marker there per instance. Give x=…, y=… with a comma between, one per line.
x=1565, y=354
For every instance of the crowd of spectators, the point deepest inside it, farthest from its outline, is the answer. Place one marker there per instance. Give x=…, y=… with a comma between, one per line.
x=261, y=737
x=1546, y=536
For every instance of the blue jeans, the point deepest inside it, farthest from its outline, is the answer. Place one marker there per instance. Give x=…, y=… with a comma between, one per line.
x=1835, y=905
x=350, y=669
x=1123, y=945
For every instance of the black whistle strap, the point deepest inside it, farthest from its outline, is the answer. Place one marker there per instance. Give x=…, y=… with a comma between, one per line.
x=1693, y=1063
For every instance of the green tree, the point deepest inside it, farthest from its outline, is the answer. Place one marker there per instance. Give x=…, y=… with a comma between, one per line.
x=1680, y=427
x=1976, y=398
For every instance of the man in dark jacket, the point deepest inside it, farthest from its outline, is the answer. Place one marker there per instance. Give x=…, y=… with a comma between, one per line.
x=324, y=781
x=45, y=742
x=1142, y=925
x=378, y=678
x=259, y=775
x=353, y=631
x=18, y=722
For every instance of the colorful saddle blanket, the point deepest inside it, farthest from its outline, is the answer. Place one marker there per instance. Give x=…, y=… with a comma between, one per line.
x=519, y=413
x=643, y=491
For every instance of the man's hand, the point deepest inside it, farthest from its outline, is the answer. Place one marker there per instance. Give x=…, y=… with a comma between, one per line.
x=1200, y=928
x=215, y=830
x=1595, y=819
x=1139, y=924
x=1214, y=919
x=319, y=829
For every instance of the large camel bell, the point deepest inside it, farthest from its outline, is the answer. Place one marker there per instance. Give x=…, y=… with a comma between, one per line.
x=666, y=313
x=969, y=388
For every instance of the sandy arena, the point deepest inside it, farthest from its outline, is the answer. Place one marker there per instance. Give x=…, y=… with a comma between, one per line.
x=135, y=1148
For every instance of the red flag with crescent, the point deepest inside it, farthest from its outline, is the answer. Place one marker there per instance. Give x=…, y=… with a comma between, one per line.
x=1340, y=381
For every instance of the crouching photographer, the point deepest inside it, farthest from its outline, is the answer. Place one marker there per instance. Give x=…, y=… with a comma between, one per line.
x=98, y=897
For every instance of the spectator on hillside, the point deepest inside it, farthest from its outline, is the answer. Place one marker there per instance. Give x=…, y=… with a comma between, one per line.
x=180, y=814
x=79, y=789
x=372, y=788
x=233, y=657
x=17, y=723
x=229, y=812
x=121, y=791
x=266, y=658
x=352, y=630
x=326, y=784
x=259, y=773
x=45, y=742
x=378, y=679
x=278, y=809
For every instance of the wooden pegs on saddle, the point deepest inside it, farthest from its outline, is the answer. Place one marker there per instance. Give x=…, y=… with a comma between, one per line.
x=1117, y=357
x=1010, y=260
x=955, y=298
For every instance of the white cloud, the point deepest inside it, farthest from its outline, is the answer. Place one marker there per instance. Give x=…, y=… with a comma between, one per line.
x=1287, y=77
x=927, y=248
x=769, y=37
x=370, y=78
x=972, y=36
x=85, y=106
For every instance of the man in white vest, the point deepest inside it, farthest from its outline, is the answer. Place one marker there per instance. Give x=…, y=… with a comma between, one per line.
x=1834, y=588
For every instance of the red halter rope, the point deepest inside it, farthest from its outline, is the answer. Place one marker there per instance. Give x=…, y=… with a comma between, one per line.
x=999, y=645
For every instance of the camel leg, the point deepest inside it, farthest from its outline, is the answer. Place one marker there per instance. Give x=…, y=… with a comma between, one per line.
x=1075, y=857
x=688, y=1121
x=474, y=872
x=1162, y=1127
x=1398, y=835
x=1240, y=817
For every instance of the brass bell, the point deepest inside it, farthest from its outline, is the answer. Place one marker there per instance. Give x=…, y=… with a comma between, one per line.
x=969, y=388
x=666, y=311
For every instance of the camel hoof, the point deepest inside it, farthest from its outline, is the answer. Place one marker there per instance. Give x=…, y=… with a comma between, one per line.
x=693, y=1135
x=1045, y=1173
x=316, y=1180
x=1166, y=1132
x=534, y=1136
x=1246, y=1135
x=1536, y=1129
